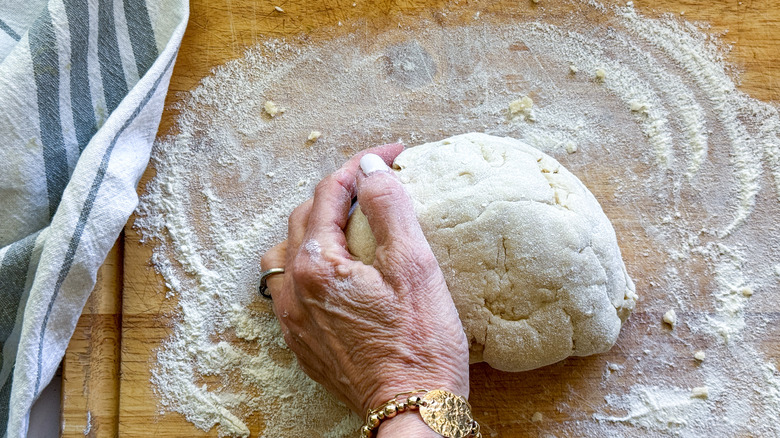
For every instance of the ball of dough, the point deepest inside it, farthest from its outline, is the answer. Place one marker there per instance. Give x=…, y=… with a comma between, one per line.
x=530, y=259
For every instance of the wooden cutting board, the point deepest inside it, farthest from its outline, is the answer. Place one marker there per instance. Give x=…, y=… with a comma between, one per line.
x=106, y=390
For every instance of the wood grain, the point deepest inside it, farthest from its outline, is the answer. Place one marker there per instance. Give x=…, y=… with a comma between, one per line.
x=90, y=375
x=219, y=31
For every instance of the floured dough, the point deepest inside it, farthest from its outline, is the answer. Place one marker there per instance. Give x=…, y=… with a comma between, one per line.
x=530, y=258
x=670, y=317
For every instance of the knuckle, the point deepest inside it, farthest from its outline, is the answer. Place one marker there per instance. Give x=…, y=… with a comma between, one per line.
x=421, y=265
x=340, y=178
x=385, y=193
x=305, y=270
x=412, y=265
x=274, y=257
x=265, y=260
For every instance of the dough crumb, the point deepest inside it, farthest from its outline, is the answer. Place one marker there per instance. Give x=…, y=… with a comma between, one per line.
x=670, y=317
x=278, y=9
x=700, y=392
x=535, y=1
x=601, y=74
x=537, y=416
x=521, y=108
x=573, y=69
x=639, y=107
x=272, y=109
x=314, y=136
x=699, y=355
x=746, y=291
x=571, y=147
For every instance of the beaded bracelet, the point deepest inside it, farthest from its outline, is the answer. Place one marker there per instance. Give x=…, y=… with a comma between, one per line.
x=445, y=413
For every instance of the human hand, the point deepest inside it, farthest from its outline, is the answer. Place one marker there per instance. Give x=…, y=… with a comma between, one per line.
x=364, y=332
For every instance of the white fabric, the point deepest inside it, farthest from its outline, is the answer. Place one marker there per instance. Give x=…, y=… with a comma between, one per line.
x=82, y=88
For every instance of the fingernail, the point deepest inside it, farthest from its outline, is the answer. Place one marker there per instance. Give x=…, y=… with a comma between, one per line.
x=371, y=163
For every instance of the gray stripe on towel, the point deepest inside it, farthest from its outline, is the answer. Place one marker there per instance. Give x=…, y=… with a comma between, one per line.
x=7, y=29
x=14, y=269
x=80, y=93
x=46, y=70
x=139, y=26
x=85, y=211
x=13, y=278
x=111, y=70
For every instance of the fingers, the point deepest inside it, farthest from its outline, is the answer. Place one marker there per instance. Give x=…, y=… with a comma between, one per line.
x=329, y=209
x=387, y=206
x=296, y=224
x=329, y=212
x=332, y=200
x=403, y=254
x=386, y=152
x=276, y=257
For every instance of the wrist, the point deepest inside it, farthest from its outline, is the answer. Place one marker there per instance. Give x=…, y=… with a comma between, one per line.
x=442, y=413
x=388, y=392
x=405, y=425
x=449, y=379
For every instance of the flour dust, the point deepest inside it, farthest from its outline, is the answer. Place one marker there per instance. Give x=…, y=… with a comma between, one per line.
x=642, y=110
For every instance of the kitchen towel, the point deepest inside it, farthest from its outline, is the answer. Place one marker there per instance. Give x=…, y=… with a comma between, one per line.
x=82, y=89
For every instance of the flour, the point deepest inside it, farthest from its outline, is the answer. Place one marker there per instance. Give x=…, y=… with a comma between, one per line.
x=686, y=165
x=88, y=427
x=653, y=408
x=313, y=248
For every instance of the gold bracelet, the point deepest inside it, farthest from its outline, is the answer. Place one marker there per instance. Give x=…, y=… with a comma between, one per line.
x=445, y=413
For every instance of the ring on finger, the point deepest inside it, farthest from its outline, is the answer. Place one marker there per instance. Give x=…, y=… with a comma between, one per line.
x=264, y=281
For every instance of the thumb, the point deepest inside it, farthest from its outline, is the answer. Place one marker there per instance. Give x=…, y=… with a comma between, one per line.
x=388, y=207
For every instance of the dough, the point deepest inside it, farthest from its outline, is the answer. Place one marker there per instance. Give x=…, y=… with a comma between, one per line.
x=670, y=317
x=530, y=259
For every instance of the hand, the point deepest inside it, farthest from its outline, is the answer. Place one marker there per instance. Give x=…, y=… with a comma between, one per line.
x=364, y=332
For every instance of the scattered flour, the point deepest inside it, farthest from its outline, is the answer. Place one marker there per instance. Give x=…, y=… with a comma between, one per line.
x=88, y=427
x=654, y=408
x=686, y=165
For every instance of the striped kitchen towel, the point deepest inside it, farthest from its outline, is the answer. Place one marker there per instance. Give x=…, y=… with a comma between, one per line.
x=82, y=88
